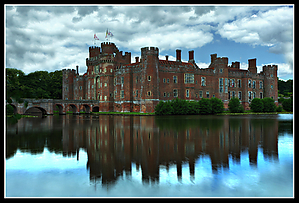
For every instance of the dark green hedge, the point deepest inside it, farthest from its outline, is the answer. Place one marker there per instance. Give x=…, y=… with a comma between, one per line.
x=184, y=107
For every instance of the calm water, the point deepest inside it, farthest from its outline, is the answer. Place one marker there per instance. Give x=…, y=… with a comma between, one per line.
x=201, y=156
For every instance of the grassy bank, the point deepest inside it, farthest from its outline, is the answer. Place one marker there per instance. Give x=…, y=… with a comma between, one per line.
x=124, y=113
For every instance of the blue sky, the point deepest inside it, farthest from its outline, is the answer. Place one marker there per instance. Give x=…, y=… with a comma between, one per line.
x=55, y=37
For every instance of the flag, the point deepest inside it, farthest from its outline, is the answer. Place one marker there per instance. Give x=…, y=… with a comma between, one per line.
x=108, y=33
x=95, y=37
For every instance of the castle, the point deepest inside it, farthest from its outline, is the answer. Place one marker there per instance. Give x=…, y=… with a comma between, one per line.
x=122, y=86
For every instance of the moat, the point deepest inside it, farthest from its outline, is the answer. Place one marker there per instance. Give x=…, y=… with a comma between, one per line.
x=149, y=156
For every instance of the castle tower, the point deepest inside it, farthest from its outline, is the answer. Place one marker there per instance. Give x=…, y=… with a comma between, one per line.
x=68, y=84
x=270, y=82
x=150, y=60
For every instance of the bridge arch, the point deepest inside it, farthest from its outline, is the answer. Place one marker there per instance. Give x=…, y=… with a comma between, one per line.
x=72, y=107
x=35, y=110
x=85, y=107
x=58, y=107
x=95, y=109
x=15, y=109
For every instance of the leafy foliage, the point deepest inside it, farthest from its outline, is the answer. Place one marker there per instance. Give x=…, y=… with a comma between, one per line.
x=269, y=105
x=257, y=105
x=234, y=106
x=184, y=107
x=39, y=84
x=287, y=105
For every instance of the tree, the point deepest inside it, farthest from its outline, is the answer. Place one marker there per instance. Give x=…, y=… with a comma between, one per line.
x=179, y=106
x=205, y=106
x=257, y=105
x=216, y=105
x=269, y=105
x=287, y=105
x=234, y=106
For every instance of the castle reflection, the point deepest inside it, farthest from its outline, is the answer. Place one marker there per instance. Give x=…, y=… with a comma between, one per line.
x=113, y=143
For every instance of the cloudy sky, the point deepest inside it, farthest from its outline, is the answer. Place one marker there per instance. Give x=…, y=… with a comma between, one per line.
x=56, y=37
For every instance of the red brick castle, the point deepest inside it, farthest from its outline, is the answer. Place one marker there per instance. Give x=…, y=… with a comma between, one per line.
x=120, y=85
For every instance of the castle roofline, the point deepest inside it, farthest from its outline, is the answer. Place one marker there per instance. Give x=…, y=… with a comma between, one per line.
x=166, y=62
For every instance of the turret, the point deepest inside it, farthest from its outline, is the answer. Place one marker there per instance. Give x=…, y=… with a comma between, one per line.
x=270, y=82
x=108, y=47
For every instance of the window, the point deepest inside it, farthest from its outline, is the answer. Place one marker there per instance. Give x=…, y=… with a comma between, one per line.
x=203, y=81
x=149, y=93
x=239, y=83
x=233, y=94
x=105, y=98
x=253, y=84
x=189, y=78
x=208, y=94
x=249, y=83
x=80, y=87
x=164, y=94
x=122, y=80
x=253, y=95
x=220, y=70
x=115, y=92
x=271, y=86
x=187, y=93
x=220, y=85
x=228, y=95
x=122, y=94
x=167, y=80
x=175, y=79
x=233, y=83
x=261, y=85
x=115, y=80
x=149, y=78
x=261, y=95
x=226, y=87
x=136, y=93
x=105, y=84
x=164, y=80
x=175, y=93
x=249, y=95
x=200, y=94
x=240, y=95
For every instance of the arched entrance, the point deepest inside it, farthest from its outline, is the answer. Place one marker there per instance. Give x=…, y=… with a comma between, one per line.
x=35, y=111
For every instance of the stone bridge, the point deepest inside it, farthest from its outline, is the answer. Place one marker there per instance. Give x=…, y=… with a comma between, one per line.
x=51, y=106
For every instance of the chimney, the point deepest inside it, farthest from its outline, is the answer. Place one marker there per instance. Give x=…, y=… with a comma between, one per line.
x=166, y=58
x=252, y=63
x=178, y=55
x=136, y=59
x=191, y=56
x=213, y=57
x=77, y=69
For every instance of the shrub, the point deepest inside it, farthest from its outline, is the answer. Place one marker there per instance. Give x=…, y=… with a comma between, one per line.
x=257, y=105
x=9, y=109
x=193, y=107
x=179, y=106
x=234, y=106
x=279, y=109
x=204, y=106
x=163, y=108
x=216, y=105
x=287, y=105
x=269, y=105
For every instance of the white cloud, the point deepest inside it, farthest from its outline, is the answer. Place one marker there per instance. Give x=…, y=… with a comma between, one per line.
x=56, y=37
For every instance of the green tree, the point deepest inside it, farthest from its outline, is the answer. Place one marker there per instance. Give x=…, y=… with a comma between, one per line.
x=269, y=105
x=216, y=105
x=234, y=106
x=205, y=106
x=257, y=105
x=180, y=106
x=287, y=105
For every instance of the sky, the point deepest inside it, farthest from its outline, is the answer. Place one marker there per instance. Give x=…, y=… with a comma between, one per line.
x=51, y=37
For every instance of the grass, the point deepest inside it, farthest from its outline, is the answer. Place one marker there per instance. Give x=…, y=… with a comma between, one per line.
x=253, y=113
x=124, y=113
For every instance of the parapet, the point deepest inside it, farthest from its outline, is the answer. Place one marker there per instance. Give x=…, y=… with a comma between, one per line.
x=149, y=50
x=270, y=67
